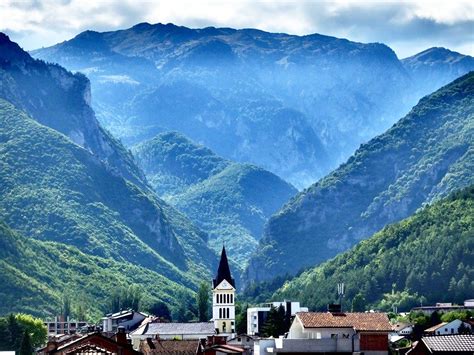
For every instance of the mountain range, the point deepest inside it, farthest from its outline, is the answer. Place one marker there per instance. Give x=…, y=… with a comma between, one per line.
x=294, y=105
x=68, y=193
x=229, y=201
x=427, y=258
x=424, y=156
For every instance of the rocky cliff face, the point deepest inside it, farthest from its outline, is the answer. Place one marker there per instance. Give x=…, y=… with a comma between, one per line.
x=294, y=105
x=60, y=100
x=426, y=155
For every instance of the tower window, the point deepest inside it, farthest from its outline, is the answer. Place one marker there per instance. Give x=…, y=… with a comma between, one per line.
x=231, y=298
x=220, y=312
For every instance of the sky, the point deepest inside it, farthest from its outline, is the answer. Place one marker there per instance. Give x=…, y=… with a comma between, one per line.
x=408, y=27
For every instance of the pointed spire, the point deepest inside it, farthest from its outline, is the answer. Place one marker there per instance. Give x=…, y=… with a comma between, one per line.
x=223, y=271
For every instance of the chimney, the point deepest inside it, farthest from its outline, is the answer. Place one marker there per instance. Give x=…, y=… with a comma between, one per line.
x=51, y=346
x=334, y=308
x=121, y=337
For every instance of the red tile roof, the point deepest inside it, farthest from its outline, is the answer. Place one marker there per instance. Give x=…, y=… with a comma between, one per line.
x=359, y=321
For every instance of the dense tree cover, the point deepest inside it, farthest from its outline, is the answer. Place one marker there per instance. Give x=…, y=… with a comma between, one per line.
x=22, y=333
x=229, y=201
x=53, y=190
x=426, y=258
x=203, y=302
x=423, y=157
x=36, y=274
x=125, y=298
x=241, y=317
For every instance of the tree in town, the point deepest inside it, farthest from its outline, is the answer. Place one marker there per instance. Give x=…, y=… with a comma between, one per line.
x=161, y=310
x=358, y=303
x=202, y=300
x=35, y=329
x=26, y=348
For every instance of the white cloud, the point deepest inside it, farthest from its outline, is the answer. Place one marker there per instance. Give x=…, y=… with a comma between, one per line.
x=406, y=26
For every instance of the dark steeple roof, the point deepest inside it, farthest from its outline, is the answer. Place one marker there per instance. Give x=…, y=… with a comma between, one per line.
x=223, y=272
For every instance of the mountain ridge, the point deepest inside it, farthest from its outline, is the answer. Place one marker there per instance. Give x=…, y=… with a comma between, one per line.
x=230, y=201
x=424, y=156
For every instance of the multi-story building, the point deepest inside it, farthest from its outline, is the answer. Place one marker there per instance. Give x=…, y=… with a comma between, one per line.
x=256, y=316
x=61, y=325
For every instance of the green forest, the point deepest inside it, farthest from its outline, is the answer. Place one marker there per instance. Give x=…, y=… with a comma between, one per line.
x=424, y=259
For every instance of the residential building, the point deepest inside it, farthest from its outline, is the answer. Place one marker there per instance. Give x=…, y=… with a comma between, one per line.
x=349, y=333
x=256, y=316
x=445, y=328
x=129, y=319
x=403, y=329
x=172, y=331
x=92, y=343
x=223, y=298
x=60, y=325
x=444, y=345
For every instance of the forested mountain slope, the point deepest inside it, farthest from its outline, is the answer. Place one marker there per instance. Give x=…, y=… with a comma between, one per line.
x=230, y=201
x=37, y=275
x=60, y=100
x=428, y=256
x=426, y=155
x=54, y=190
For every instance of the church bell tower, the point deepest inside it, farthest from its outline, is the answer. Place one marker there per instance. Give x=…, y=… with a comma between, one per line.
x=223, y=298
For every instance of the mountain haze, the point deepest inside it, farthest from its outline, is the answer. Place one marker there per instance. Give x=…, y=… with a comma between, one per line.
x=230, y=201
x=424, y=156
x=60, y=100
x=294, y=105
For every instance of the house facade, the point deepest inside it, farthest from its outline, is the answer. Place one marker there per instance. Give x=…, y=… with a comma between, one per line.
x=60, y=325
x=448, y=328
x=345, y=333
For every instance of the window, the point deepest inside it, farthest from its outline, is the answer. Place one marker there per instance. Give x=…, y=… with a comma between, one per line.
x=220, y=312
x=333, y=336
x=227, y=312
x=231, y=298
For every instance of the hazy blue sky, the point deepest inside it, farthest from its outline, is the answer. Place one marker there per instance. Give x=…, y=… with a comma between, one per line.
x=406, y=26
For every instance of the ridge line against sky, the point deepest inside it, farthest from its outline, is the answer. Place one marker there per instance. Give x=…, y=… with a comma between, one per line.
x=408, y=27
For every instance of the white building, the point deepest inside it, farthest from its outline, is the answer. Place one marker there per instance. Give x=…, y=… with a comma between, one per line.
x=447, y=328
x=128, y=319
x=223, y=298
x=256, y=316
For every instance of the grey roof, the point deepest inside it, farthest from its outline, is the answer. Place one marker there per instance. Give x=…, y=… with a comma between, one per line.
x=204, y=328
x=450, y=342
